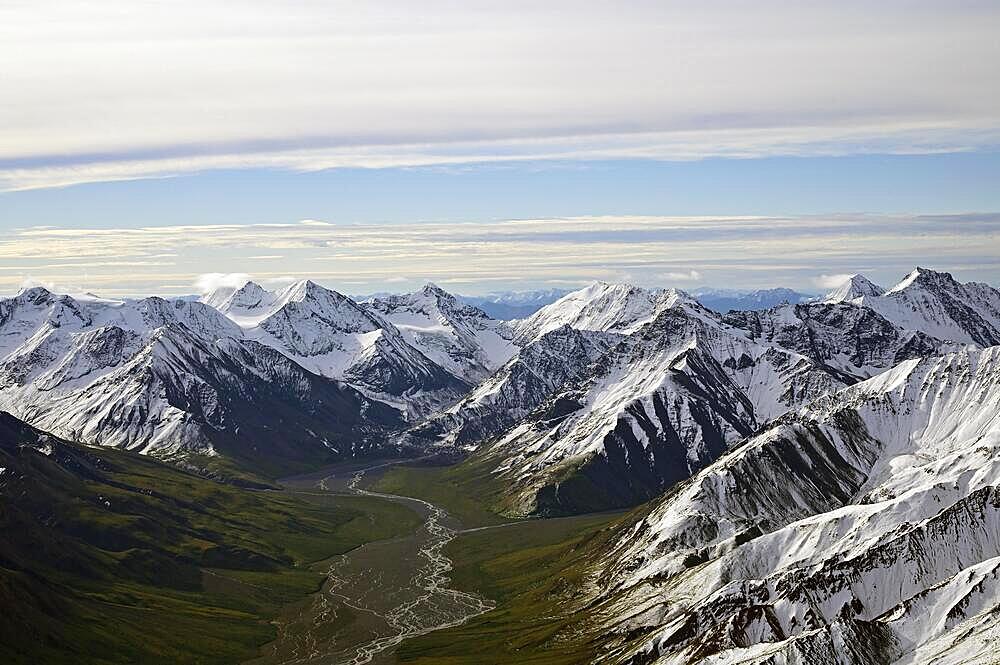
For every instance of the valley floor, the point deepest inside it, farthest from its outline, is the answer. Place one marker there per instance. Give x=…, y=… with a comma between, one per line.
x=472, y=590
x=110, y=557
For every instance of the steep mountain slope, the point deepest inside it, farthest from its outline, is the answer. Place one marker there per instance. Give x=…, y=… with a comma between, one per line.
x=516, y=389
x=171, y=378
x=620, y=308
x=656, y=407
x=460, y=338
x=331, y=335
x=671, y=397
x=853, y=341
x=863, y=529
x=936, y=304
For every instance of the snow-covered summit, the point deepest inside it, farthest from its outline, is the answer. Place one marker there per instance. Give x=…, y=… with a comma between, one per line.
x=460, y=338
x=609, y=307
x=165, y=377
x=249, y=297
x=855, y=286
x=937, y=304
x=330, y=334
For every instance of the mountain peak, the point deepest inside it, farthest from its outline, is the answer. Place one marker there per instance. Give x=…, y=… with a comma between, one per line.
x=249, y=288
x=307, y=289
x=34, y=294
x=248, y=296
x=926, y=278
x=855, y=286
x=432, y=290
x=602, y=286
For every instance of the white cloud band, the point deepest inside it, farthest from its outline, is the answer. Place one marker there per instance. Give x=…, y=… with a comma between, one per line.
x=471, y=257
x=117, y=90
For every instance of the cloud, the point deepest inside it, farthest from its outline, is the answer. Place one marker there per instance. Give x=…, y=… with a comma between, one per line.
x=896, y=138
x=689, y=276
x=208, y=282
x=337, y=84
x=831, y=281
x=283, y=280
x=744, y=252
x=30, y=283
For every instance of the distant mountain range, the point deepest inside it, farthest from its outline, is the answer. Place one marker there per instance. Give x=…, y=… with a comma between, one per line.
x=724, y=300
x=509, y=305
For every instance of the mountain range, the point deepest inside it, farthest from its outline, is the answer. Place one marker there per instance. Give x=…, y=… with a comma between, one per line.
x=811, y=474
x=560, y=397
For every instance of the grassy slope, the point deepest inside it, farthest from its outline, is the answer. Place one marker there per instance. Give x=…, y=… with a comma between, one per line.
x=471, y=491
x=462, y=490
x=108, y=557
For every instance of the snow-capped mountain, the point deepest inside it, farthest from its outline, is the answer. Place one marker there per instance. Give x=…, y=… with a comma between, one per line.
x=301, y=375
x=852, y=341
x=864, y=529
x=627, y=389
x=937, y=304
x=170, y=378
x=241, y=302
x=852, y=288
x=331, y=335
x=514, y=391
x=676, y=393
x=663, y=402
x=620, y=308
x=460, y=338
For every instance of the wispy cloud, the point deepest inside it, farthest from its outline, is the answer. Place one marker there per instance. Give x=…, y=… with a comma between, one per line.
x=394, y=83
x=831, y=281
x=689, y=276
x=680, y=145
x=211, y=281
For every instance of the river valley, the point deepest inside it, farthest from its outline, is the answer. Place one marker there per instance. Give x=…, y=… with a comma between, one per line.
x=376, y=595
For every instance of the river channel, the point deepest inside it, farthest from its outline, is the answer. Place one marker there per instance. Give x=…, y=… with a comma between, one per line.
x=376, y=595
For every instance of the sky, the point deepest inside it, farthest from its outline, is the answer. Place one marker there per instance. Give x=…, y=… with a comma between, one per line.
x=144, y=144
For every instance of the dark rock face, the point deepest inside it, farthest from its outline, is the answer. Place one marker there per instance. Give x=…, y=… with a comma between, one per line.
x=517, y=388
x=812, y=540
x=651, y=449
x=852, y=341
x=253, y=403
x=652, y=410
x=675, y=394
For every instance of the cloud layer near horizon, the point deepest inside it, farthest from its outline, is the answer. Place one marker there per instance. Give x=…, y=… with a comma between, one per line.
x=733, y=252
x=116, y=90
